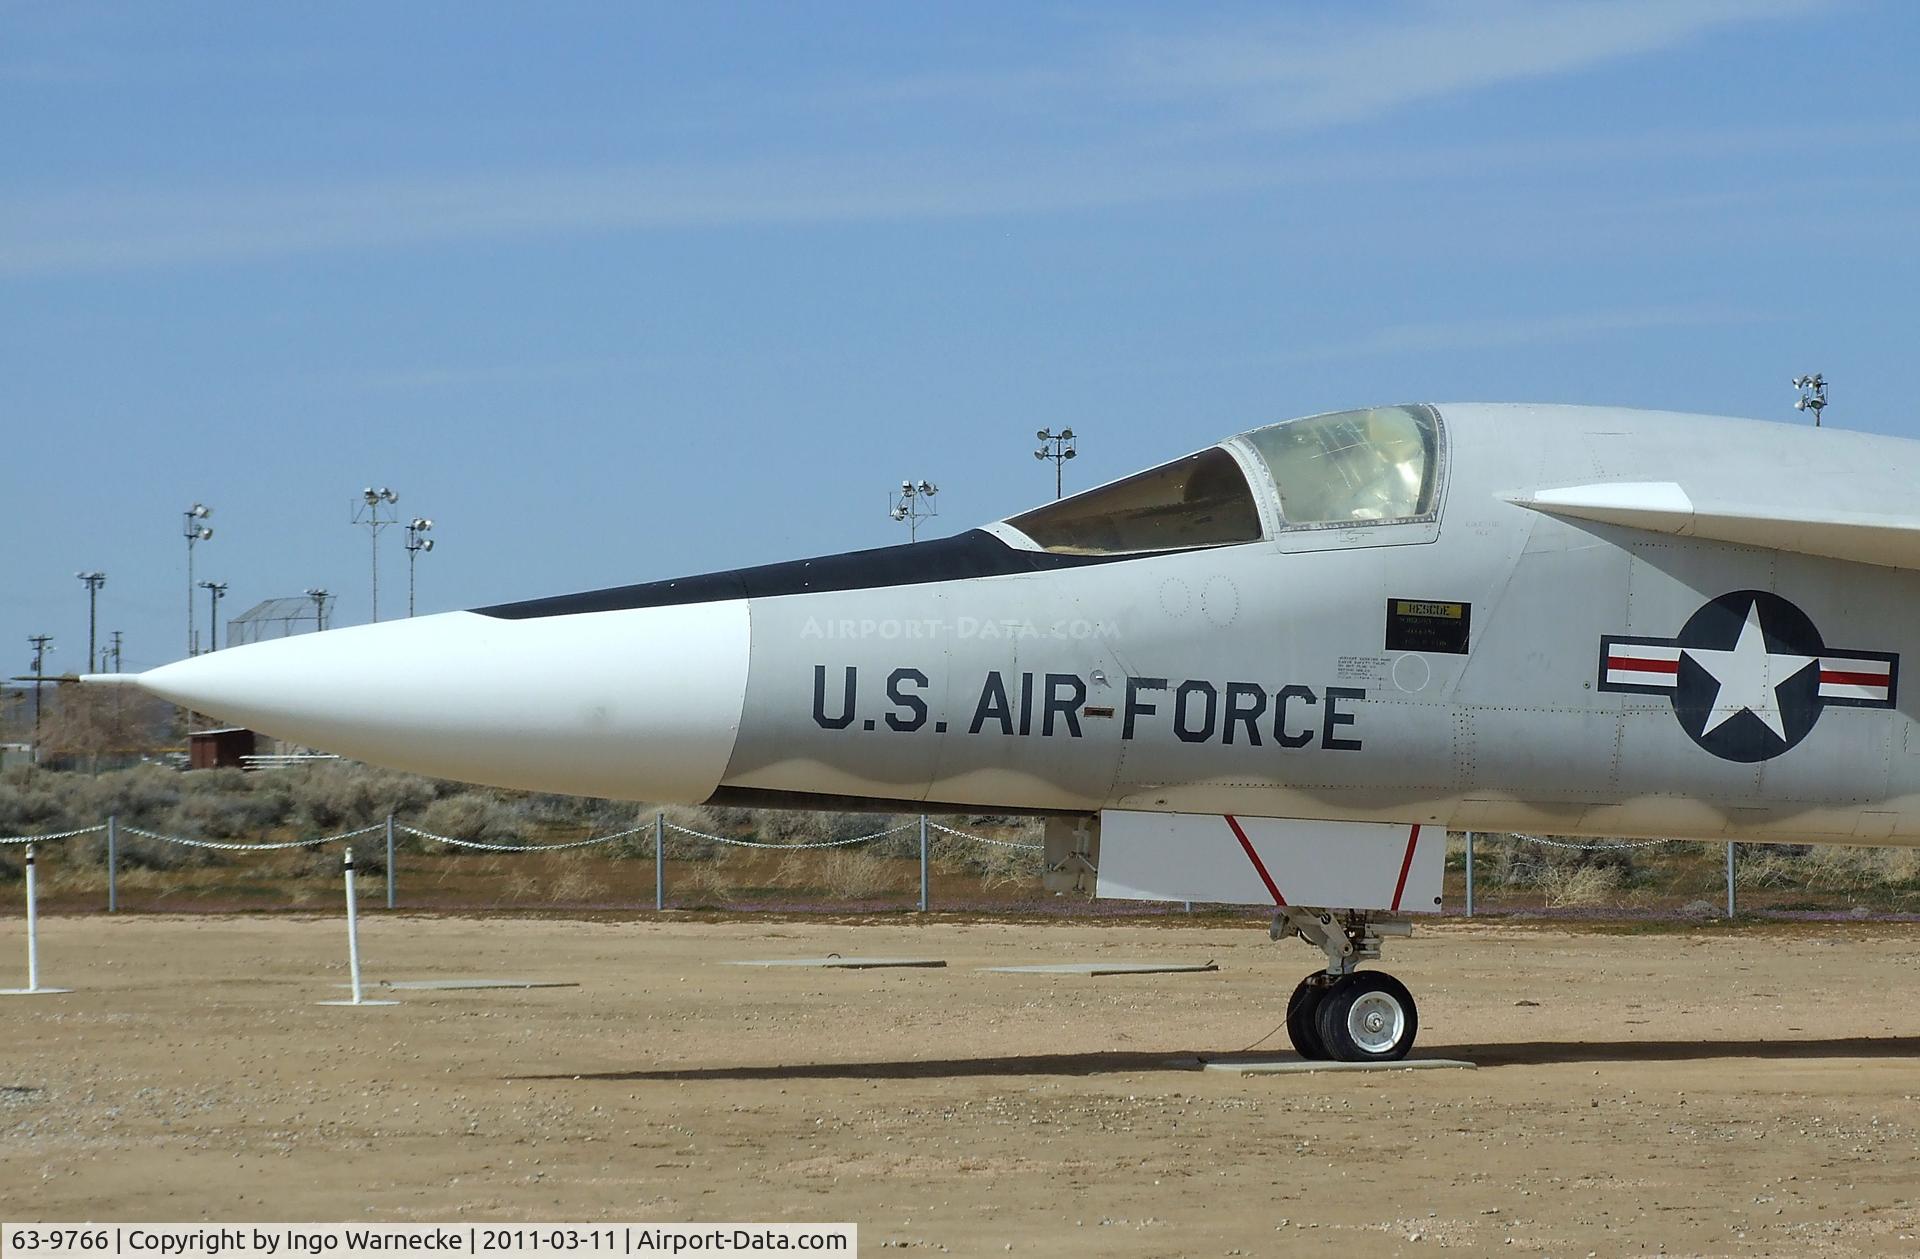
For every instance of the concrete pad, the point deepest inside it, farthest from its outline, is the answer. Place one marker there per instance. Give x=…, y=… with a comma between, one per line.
x=1302, y=1066
x=843, y=963
x=457, y=985
x=1104, y=968
x=32, y=992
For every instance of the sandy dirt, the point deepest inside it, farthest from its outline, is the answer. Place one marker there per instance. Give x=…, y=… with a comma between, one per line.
x=1742, y=1093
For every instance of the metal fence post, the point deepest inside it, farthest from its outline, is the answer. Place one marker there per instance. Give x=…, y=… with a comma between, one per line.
x=113, y=864
x=1731, y=908
x=389, y=861
x=1469, y=874
x=33, y=929
x=659, y=861
x=923, y=863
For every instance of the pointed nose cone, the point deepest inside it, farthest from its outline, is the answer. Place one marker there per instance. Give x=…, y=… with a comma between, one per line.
x=641, y=704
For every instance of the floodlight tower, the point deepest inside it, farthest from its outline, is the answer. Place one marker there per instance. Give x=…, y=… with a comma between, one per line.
x=94, y=582
x=914, y=504
x=319, y=597
x=1813, y=395
x=216, y=591
x=1058, y=447
x=417, y=541
x=375, y=510
x=196, y=530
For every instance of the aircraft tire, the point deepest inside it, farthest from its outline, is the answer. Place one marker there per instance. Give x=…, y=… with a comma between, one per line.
x=1303, y=1010
x=1368, y=1016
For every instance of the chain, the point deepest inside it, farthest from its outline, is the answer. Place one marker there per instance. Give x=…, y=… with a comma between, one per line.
x=48, y=839
x=220, y=847
x=831, y=843
x=982, y=839
x=476, y=844
x=1615, y=847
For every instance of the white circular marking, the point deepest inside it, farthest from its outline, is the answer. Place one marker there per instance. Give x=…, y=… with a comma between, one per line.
x=1412, y=673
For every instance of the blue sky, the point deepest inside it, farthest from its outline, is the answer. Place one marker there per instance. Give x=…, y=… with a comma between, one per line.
x=620, y=291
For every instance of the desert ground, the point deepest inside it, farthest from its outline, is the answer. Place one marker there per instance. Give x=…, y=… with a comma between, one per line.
x=1741, y=1091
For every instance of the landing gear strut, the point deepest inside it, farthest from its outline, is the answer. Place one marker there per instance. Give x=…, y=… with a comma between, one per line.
x=1342, y=1013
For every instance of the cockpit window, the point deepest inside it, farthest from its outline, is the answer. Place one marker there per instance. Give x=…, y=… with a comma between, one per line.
x=1352, y=467
x=1201, y=500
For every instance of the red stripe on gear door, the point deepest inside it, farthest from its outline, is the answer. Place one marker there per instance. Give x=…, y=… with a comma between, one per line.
x=1254, y=857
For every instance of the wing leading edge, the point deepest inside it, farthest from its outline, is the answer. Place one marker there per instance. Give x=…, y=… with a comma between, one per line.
x=1666, y=507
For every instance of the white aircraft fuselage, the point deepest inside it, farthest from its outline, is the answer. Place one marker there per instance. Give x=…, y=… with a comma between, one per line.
x=1554, y=634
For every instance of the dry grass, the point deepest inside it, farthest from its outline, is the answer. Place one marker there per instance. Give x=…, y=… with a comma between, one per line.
x=1572, y=887
x=857, y=874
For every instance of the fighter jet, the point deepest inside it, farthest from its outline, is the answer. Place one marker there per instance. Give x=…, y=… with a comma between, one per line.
x=1277, y=670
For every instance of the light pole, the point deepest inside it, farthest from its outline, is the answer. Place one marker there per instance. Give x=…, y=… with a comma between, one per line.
x=196, y=530
x=319, y=598
x=1057, y=447
x=375, y=511
x=40, y=650
x=94, y=582
x=216, y=590
x=1813, y=395
x=417, y=541
x=913, y=505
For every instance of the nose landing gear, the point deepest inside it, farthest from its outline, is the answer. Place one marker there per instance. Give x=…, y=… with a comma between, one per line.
x=1341, y=1013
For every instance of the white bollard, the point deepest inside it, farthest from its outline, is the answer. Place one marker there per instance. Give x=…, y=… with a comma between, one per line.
x=33, y=988
x=353, y=945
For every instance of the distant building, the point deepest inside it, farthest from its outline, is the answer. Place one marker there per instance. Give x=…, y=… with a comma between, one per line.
x=226, y=748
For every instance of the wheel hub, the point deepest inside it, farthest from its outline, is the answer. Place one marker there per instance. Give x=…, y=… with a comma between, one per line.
x=1376, y=1022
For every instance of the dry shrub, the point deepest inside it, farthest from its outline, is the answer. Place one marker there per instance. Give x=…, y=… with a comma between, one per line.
x=475, y=817
x=1574, y=886
x=575, y=880
x=704, y=885
x=857, y=873
x=994, y=865
x=518, y=889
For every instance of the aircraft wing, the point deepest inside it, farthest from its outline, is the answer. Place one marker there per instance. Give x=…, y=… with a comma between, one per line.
x=1666, y=507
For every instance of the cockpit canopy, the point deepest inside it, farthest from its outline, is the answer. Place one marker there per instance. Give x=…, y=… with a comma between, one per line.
x=1344, y=469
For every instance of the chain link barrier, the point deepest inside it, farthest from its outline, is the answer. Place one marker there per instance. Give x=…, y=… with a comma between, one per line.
x=982, y=839
x=482, y=847
x=1570, y=846
x=217, y=846
x=831, y=843
x=53, y=838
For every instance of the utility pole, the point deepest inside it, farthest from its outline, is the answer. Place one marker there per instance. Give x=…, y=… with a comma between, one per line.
x=195, y=529
x=1813, y=395
x=375, y=511
x=319, y=598
x=417, y=541
x=115, y=649
x=216, y=590
x=40, y=650
x=913, y=505
x=94, y=582
x=1058, y=447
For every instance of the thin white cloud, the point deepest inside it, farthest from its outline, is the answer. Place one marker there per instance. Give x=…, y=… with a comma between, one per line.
x=1307, y=72
x=1313, y=69
x=1500, y=334
x=1282, y=74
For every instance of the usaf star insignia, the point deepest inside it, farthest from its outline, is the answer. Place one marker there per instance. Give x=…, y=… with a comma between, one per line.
x=1748, y=674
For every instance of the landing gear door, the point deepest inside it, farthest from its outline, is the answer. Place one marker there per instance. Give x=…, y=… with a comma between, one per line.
x=1238, y=860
